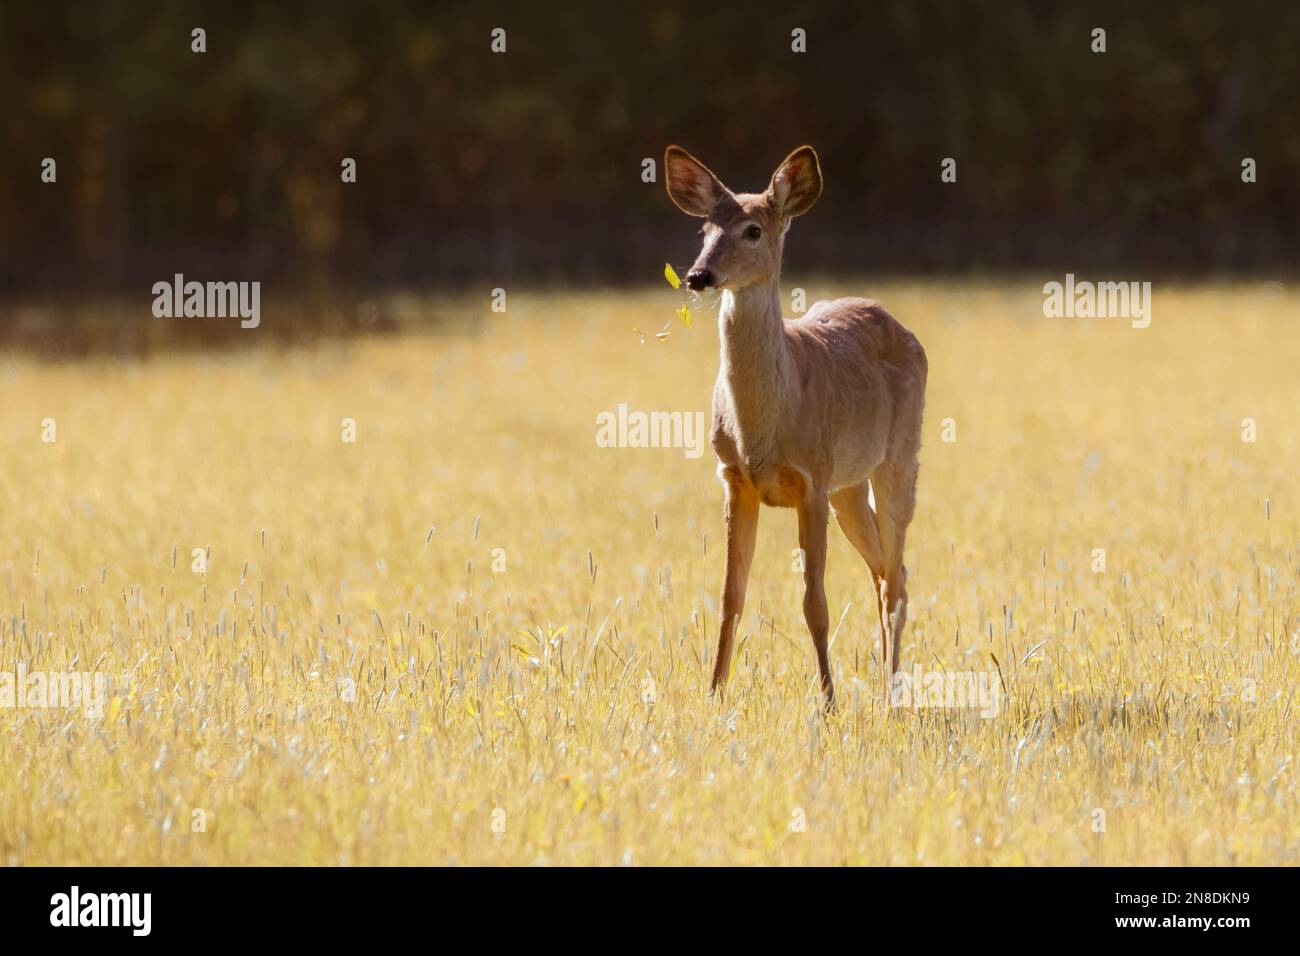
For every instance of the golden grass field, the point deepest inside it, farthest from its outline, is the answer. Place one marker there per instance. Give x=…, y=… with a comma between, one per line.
x=543, y=713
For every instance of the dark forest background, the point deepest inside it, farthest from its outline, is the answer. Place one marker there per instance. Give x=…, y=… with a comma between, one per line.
x=527, y=166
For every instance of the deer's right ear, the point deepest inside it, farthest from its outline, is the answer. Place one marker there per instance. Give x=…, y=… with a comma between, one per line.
x=691, y=185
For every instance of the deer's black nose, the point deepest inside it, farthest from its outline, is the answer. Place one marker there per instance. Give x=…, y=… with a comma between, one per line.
x=698, y=279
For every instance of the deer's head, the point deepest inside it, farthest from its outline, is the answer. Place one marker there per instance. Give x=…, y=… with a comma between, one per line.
x=743, y=232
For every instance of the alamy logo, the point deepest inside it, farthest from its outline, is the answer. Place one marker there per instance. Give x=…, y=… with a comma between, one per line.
x=209, y=300
x=64, y=689
x=952, y=690
x=633, y=429
x=1098, y=300
x=103, y=909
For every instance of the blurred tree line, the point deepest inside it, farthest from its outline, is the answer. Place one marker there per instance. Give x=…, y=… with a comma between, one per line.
x=527, y=165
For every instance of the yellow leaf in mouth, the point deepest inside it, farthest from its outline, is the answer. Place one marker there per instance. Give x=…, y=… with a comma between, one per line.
x=684, y=313
x=671, y=276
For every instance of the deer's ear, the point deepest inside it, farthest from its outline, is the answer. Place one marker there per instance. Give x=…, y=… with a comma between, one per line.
x=691, y=184
x=797, y=182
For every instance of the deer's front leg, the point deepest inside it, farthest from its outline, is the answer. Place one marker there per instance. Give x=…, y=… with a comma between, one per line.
x=813, y=515
x=741, y=515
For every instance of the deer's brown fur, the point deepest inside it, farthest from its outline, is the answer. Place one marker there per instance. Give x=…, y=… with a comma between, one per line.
x=814, y=413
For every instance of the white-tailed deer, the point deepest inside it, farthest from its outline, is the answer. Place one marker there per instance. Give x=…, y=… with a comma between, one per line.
x=812, y=414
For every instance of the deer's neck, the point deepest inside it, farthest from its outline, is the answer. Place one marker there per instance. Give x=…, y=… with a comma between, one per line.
x=757, y=366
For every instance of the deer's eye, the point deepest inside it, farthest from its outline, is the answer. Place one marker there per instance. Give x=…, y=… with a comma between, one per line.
x=753, y=233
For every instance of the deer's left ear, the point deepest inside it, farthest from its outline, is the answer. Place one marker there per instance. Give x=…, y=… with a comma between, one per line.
x=797, y=182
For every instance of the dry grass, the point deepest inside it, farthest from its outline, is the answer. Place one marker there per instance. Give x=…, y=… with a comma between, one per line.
x=524, y=690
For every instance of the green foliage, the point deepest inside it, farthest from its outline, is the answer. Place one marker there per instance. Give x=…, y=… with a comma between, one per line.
x=474, y=164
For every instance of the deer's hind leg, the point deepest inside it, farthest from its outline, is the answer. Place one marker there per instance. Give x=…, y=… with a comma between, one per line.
x=852, y=507
x=894, y=484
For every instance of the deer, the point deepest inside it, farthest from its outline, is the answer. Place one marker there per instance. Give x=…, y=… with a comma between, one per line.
x=821, y=413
